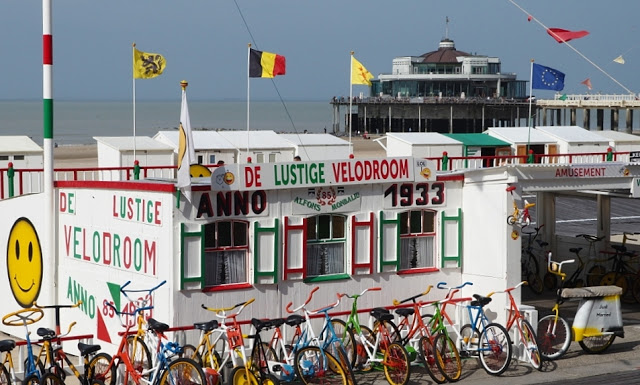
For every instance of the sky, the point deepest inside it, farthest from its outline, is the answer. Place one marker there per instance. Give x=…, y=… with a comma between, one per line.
x=205, y=43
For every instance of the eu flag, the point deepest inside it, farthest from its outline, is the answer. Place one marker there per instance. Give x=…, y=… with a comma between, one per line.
x=546, y=78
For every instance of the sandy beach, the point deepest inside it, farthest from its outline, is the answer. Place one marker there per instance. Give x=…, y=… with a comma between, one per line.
x=87, y=155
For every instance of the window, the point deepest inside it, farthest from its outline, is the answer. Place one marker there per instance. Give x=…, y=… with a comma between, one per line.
x=212, y=159
x=226, y=252
x=326, y=245
x=4, y=157
x=18, y=157
x=417, y=239
x=272, y=157
x=259, y=157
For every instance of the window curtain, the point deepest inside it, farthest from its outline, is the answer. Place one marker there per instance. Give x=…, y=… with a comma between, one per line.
x=416, y=252
x=325, y=258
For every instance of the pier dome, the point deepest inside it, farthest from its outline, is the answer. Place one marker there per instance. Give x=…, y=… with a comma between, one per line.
x=446, y=53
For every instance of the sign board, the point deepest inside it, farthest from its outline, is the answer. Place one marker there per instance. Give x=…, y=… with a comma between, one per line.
x=635, y=188
x=313, y=174
x=634, y=156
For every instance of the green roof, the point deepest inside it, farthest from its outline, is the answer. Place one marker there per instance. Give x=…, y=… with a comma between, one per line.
x=478, y=139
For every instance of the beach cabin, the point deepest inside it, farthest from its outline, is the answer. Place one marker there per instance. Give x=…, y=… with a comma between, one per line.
x=481, y=145
x=122, y=151
x=521, y=138
x=318, y=146
x=23, y=153
x=576, y=140
x=622, y=142
x=422, y=145
x=262, y=146
x=209, y=146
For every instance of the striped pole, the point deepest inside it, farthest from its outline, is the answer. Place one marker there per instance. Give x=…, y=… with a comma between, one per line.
x=49, y=280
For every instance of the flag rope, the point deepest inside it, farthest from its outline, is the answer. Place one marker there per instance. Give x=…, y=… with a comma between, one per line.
x=572, y=47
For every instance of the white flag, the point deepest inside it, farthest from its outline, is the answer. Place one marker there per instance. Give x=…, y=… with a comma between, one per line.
x=186, y=151
x=619, y=59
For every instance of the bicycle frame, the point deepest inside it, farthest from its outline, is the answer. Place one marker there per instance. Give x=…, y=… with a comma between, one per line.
x=31, y=368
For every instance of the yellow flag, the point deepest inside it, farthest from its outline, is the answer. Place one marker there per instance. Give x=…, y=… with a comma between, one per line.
x=359, y=74
x=147, y=65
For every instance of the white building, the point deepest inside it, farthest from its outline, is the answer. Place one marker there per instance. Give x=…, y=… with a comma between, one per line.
x=522, y=138
x=121, y=151
x=318, y=146
x=23, y=153
x=210, y=147
x=421, y=145
x=574, y=139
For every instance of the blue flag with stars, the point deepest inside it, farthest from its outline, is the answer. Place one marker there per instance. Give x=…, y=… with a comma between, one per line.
x=546, y=78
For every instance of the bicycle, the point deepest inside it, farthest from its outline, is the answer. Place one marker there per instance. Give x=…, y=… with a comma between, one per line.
x=596, y=324
x=520, y=217
x=263, y=357
x=415, y=332
x=523, y=333
x=377, y=347
x=622, y=274
x=489, y=341
x=132, y=352
x=530, y=266
x=34, y=372
x=314, y=348
x=236, y=354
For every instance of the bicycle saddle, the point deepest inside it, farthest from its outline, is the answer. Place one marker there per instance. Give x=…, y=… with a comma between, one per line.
x=267, y=324
x=619, y=248
x=381, y=314
x=294, y=320
x=157, y=326
x=206, y=326
x=575, y=249
x=7, y=345
x=480, y=300
x=405, y=312
x=46, y=333
x=86, y=349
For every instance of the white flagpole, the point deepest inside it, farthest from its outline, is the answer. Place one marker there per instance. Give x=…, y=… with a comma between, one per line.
x=133, y=77
x=248, y=90
x=530, y=123
x=350, y=98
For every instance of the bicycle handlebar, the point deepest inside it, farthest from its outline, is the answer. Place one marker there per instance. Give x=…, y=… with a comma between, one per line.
x=305, y=302
x=590, y=238
x=35, y=304
x=326, y=308
x=340, y=295
x=442, y=285
x=242, y=305
x=135, y=312
x=413, y=299
x=509, y=289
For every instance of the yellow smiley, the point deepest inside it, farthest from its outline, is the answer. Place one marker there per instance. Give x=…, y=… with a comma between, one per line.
x=24, y=262
x=199, y=171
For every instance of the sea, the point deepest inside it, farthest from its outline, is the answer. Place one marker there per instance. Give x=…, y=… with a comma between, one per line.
x=78, y=122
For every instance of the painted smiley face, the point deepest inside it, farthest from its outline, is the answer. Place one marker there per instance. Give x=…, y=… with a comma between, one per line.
x=24, y=262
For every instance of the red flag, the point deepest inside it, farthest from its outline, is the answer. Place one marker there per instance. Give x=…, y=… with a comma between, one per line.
x=563, y=35
x=587, y=82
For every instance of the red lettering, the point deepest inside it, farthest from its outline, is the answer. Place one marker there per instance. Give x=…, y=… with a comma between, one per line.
x=157, y=213
x=130, y=208
x=67, y=238
x=115, y=211
x=63, y=202
x=84, y=246
x=106, y=240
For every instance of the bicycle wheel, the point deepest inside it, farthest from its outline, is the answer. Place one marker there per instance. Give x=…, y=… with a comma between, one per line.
x=448, y=358
x=261, y=356
x=530, y=343
x=140, y=357
x=189, y=351
x=346, y=338
x=269, y=379
x=535, y=283
x=314, y=366
x=553, y=345
x=627, y=295
x=595, y=274
x=339, y=353
x=362, y=357
x=495, y=349
x=393, y=334
x=184, y=371
x=596, y=344
x=635, y=289
x=211, y=360
x=470, y=338
x=31, y=380
x=48, y=379
x=428, y=356
x=5, y=378
x=550, y=281
x=396, y=364
x=99, y=369
x=242, y=376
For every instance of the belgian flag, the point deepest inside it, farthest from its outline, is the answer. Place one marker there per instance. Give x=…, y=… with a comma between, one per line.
x=265, y=64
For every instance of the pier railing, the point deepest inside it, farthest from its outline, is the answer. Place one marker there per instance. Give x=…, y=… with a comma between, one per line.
x=14, y=182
